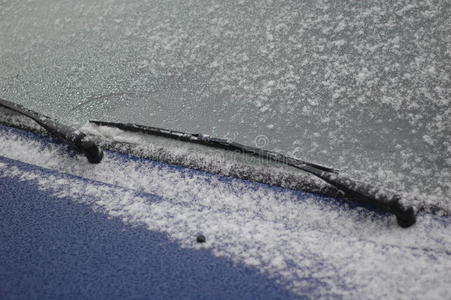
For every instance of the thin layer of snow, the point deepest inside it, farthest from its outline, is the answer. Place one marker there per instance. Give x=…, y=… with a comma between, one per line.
x=294, y=238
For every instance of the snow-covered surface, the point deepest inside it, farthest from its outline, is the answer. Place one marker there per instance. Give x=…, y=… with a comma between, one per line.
x=311, y=246
x=360, y=86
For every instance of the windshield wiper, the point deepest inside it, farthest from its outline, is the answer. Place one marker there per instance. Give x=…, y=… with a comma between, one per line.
x=353, y=189
x=75, y=138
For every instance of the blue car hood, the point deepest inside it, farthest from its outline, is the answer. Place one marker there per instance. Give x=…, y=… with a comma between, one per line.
x=127, y=228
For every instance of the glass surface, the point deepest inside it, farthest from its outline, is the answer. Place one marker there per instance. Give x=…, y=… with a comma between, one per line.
x=364, y=88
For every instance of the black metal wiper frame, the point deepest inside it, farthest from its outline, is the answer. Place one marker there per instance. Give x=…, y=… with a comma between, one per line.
x=75, y=138
x=353, y=189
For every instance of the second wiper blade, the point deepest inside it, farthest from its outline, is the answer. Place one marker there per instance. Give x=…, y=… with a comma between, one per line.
x=75, y=138
x=353, y=189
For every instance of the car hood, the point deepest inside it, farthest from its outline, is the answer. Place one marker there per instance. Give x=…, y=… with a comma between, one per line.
x=299, y=244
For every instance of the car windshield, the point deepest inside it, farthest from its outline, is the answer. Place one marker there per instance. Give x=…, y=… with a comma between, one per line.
x=359, y=87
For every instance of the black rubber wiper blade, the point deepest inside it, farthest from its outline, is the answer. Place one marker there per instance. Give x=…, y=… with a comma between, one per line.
x=77, y=139
x=352, y=189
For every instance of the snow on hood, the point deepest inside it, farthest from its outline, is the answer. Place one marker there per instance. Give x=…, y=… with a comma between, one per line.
x=296, y=238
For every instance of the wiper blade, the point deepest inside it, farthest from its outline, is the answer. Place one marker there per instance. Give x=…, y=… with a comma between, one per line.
x=75, y=138
x=353, y=189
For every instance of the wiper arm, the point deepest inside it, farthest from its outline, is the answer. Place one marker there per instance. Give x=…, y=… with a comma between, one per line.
x=353, y=189
x=75, y=138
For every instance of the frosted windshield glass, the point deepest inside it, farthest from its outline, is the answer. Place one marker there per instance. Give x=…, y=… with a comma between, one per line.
x=364, y=88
